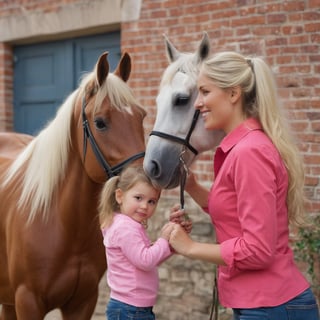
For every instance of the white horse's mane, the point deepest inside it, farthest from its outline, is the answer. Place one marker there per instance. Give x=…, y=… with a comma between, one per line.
x=46, y=156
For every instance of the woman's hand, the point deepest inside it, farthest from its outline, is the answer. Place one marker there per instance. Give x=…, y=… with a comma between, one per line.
x=180, y=240
x=180, y=217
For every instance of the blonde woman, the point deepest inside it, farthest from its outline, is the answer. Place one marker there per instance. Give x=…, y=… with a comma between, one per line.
x=257, y=192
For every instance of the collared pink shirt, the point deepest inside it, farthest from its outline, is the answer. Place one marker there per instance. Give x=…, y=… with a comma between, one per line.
x=247, y=205
x=132, y=272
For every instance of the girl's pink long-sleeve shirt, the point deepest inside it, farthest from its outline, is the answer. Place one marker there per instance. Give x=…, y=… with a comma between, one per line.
x=247, y=205
x=132, y=260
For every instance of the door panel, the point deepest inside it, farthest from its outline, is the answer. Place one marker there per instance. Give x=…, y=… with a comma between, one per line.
x=88, y=52
x=45, y=74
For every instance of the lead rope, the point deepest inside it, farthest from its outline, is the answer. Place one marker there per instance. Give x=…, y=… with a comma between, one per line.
x=214, y=314
x=184, y=173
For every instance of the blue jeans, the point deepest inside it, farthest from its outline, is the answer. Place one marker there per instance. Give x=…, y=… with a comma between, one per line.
x=117, y=310
x=302, y=307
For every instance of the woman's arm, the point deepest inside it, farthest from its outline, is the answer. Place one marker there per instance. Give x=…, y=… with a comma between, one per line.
x=198, y=192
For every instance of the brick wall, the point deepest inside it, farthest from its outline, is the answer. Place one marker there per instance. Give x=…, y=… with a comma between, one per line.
x=6, y=87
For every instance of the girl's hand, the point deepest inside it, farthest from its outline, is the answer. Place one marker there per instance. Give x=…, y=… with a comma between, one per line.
x=166, y=230
x=180, y=217
x=186, y=224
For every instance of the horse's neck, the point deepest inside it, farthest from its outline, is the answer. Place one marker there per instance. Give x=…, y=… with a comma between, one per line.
x=79, y=194
x=11, y=144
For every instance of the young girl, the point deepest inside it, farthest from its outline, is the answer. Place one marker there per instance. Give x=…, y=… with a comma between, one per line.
x=126, y=204
x=257, y=192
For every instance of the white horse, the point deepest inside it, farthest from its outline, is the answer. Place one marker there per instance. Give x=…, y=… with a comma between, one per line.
x=179, y=134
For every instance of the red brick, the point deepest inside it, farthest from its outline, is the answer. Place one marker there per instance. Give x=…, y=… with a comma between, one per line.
x=312, y=27
x=276, y=18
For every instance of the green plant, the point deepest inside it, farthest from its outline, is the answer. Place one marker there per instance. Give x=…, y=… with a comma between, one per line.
x=307, y=250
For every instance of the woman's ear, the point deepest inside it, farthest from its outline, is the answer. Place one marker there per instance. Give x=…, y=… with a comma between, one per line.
x=118, y=196
x=235, y=94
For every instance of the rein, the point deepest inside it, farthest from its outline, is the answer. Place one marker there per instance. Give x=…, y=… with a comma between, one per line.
x=87, y=134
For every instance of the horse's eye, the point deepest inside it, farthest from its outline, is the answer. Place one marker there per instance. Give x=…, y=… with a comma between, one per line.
x=181, y=99
x=100, y=124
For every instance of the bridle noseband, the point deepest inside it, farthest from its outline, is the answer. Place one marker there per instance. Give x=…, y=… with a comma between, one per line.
x=186, y=140
x=186, y=143
x=87, y=134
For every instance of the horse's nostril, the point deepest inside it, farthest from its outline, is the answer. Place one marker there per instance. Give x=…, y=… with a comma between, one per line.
x=155, y=171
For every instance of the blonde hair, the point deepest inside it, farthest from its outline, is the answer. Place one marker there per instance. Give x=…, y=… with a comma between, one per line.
x=128, y=178
x=260, y=101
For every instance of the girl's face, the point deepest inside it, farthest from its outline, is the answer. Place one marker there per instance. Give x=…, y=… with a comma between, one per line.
x=220, y=108
x=139, y=202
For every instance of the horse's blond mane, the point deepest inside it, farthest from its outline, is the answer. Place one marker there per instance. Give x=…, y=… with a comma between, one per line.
x=185, y=63
x=46, y=156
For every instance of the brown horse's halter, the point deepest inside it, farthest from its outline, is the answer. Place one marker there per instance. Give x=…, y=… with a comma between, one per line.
x=186, y=144
x=87, y=134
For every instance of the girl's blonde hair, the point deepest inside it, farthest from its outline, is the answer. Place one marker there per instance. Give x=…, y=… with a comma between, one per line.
x=128, y=178
x=260, y=100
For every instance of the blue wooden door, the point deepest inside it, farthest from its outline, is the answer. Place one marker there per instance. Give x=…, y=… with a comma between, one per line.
x=45, y=74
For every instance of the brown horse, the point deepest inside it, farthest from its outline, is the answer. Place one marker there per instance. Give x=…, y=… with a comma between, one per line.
x=51, y=250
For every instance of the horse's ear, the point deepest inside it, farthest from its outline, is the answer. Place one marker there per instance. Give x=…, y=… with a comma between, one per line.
x=102, y=68
x=203, y=49
x=172, y=53
x=123, y=69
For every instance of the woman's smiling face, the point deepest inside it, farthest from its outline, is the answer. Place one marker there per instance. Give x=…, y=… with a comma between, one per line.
x=216, y=105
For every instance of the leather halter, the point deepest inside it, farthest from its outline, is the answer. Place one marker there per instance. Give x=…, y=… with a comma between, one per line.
x=186, y=140
x=87, y=134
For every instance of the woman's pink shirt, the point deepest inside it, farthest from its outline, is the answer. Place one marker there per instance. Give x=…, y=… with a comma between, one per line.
x=132, y=272
x=247, y=205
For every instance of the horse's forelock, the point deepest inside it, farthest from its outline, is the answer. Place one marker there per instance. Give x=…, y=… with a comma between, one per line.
x=118, y=92
x=184, y=63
